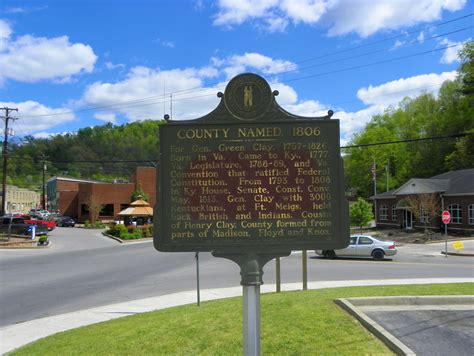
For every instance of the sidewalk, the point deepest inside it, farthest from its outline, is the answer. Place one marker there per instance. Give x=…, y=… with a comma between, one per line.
x=14, y=336
x=438, y=248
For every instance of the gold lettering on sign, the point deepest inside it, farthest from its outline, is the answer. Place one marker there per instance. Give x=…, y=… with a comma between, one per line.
x=250, y=182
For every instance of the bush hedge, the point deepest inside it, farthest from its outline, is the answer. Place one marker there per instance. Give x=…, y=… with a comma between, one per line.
x=130, y=232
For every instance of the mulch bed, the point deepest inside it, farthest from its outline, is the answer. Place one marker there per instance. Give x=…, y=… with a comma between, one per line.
x=17, y=241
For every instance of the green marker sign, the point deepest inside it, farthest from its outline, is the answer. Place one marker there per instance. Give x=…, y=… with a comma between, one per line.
x=250, y=177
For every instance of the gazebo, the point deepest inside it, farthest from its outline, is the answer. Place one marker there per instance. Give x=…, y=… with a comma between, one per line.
x=139, y=210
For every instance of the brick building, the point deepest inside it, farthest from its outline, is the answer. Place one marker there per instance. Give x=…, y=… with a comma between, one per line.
x=73, y=197
x=454, y=191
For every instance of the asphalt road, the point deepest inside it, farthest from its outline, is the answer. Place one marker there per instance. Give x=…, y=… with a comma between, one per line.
x=82, y=269
x=431, y=332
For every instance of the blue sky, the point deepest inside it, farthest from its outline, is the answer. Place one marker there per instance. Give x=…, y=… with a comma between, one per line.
x=77, y=63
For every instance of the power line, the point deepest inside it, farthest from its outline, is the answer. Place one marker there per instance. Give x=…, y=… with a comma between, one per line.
x=135, y=103
x=375, y=63
x=378, y=41
x=377, y=51
x=433, y=138
x=151, y=161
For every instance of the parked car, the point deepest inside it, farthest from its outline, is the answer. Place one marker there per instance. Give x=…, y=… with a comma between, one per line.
x=363, y=246
x=67, y=221
x=32, y=220
x=56, y=217
x=18, y=226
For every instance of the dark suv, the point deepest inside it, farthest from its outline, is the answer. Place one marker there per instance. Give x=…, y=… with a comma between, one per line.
x=67, y=221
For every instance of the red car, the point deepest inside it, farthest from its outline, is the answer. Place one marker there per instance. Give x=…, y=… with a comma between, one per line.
x=50, y=224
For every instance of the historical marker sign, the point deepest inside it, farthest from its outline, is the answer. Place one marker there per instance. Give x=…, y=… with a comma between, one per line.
x=250, y=177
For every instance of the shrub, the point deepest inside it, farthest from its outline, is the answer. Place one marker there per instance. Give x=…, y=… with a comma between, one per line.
x=147, y=230
x=43, y=239
x=99, y=225
x=136, y=234
x=87, y=224
x=117, y=229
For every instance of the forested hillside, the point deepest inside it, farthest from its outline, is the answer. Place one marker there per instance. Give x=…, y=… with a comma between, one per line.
x=451, y=113
x=102, y=145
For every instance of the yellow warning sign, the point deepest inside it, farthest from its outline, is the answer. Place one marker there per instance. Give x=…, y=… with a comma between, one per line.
x=458, y=245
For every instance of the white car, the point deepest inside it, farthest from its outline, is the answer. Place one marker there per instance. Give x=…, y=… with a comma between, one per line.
x=363, y=246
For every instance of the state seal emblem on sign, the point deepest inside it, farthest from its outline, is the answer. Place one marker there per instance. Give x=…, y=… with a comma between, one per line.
x=248, y=97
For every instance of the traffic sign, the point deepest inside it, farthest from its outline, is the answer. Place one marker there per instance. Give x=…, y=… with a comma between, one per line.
x=446, y=217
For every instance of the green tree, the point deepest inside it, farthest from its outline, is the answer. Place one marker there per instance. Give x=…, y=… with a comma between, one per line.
x=139, y=193
x=361, y=213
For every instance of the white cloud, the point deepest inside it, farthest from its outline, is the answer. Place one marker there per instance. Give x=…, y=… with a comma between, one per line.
x=235, y=12
x=398, y=44
x=392, y=92
x=111, y=66
x=306, y=11
x=368, y=17
x=342, y=16
x=353, y=122
x=32, y=59
x=140, y=95
x=33, y=116
x=450, y=55
x=106, y=117
x=421, y=37
x=165, y=43
x=5, y=33
x=241, y=63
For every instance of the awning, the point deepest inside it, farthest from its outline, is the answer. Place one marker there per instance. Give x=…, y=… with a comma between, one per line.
x=138, y=208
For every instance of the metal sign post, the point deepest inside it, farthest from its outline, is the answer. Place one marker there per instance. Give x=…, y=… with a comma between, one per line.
x=196, y=256
x=446, y=219
x=251, y=272
x=251, y=317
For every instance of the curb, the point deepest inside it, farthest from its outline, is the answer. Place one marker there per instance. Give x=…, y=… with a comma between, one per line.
x=450, y=239
x=125, y=242
x=458, y=254
x=381, y=333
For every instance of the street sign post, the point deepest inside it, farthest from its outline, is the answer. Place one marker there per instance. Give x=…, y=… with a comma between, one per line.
x=250, y=182
x=446, y=219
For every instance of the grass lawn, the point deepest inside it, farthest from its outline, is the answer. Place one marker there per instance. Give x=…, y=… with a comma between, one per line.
x=292, y=323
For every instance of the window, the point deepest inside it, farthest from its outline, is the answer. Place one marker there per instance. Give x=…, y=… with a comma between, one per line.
x=424, y=215
x=353, y=240
x=470, y=210
x=107, y=210
x=363, y=240
x=383, y=212
x=394, y=213
x=456, y=213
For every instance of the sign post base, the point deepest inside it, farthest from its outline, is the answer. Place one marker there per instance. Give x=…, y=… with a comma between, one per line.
x=251, y=319
x=251, y=270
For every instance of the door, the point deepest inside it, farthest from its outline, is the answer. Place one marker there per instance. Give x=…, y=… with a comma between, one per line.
x=407, y=219
x=364, y=246
x=349, y=250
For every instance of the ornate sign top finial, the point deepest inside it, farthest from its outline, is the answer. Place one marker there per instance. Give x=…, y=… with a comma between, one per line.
x=248, y=97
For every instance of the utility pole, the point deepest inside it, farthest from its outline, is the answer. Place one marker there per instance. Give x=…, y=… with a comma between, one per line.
x=43, y=196
x=5, y=156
